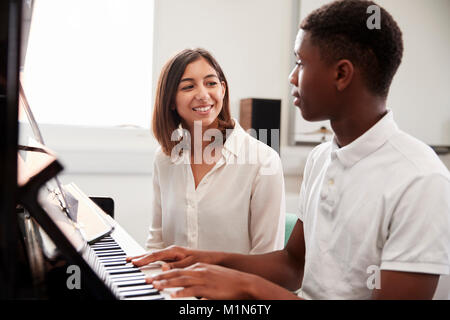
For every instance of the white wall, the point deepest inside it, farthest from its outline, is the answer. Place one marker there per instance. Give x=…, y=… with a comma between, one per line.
x=251, y=39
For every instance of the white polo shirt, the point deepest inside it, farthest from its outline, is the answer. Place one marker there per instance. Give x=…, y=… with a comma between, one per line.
x=381, y=202
x=239, y=205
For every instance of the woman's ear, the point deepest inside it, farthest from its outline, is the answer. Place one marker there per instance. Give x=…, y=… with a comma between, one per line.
x=344, y=72
x=224, y=88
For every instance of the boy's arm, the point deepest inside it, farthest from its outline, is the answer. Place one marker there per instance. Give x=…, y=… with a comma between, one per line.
x=283, y=267
x=405, y=286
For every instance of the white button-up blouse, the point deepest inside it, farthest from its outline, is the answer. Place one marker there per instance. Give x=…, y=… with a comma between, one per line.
x=239, y=205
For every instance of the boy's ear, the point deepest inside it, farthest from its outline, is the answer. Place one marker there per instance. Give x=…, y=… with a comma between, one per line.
x=344, y=72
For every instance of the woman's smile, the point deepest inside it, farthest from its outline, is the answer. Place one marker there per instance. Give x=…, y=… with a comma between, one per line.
x=203, y=109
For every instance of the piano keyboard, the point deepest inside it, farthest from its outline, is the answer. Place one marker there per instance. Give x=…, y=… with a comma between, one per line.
x=124, y=279
x=107, y=257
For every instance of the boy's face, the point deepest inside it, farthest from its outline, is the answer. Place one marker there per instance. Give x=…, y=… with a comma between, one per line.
x=313, y=81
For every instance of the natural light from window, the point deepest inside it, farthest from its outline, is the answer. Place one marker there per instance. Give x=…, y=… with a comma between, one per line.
x=89, y=63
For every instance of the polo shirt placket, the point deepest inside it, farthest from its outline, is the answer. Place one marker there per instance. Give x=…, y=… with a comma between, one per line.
x=329, y=194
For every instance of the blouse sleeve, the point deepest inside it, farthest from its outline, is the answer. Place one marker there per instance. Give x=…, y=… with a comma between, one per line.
x=267, y=207
x=154, y=240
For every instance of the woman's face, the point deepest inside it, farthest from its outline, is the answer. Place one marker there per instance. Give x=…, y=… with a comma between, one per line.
x=200, y=94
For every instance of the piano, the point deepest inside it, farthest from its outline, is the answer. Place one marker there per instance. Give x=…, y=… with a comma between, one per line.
x=50, y=238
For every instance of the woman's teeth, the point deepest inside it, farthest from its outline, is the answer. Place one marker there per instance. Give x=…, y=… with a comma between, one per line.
x=202, y=109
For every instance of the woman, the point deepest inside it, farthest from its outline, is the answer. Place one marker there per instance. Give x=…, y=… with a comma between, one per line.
x=215, y=187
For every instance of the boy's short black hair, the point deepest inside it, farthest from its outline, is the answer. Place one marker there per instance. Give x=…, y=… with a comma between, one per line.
x=340, y=30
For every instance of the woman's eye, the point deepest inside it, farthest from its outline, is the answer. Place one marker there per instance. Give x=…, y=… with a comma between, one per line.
x=299, y=63
x=187, y=87
x=212, y=83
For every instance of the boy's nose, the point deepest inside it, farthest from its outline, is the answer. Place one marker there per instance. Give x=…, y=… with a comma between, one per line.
x=293, y=76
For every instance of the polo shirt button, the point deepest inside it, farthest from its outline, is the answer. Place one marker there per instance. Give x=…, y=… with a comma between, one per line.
x=331, y=182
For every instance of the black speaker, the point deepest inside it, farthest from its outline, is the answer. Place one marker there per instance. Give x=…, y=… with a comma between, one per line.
x=263, y=116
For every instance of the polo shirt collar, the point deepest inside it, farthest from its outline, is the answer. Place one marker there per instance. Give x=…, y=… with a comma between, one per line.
x=367, y=143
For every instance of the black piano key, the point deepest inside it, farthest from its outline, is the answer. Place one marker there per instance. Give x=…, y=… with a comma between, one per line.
x=141, y=274
x=109, y=243
x=151, y=297
x=122, y=266
x=114, y=264
x=105, y=246
x=140, y=293
x=103, y=242
x=125, y=267
x=131, y=283
x=106, y=239
x=106, y=258
x=116, y=254
x=107, y=249
x=123, y=271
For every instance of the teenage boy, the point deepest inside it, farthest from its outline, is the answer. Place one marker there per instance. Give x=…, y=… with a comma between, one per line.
x=374, y=210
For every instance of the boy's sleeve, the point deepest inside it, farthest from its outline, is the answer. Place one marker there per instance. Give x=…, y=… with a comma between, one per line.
x=419, y=232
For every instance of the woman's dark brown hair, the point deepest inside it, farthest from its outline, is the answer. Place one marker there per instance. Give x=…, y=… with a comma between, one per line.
x=165, y=118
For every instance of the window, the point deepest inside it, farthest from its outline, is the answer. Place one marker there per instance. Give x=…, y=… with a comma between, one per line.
x=89, y=63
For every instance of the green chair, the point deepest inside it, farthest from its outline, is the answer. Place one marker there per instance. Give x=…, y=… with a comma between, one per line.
x=291, y=220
